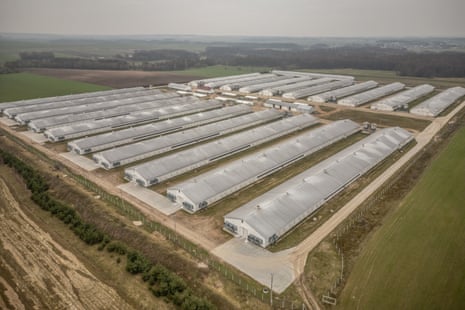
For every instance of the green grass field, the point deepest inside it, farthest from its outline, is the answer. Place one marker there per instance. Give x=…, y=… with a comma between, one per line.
x=18, y=86
x=219, y=70
x=416, y=260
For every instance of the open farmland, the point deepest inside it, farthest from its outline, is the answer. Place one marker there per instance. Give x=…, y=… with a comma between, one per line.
x=415, y=260
x=116, y=79
x=18, y=86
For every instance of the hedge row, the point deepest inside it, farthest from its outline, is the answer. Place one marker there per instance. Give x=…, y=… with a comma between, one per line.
x=162, y=282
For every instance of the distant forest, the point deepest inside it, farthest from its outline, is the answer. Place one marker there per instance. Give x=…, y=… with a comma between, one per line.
x=279, y=56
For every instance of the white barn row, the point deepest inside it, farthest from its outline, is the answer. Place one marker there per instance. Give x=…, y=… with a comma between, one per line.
x=402, y=99
x=41, y=124
x=435, y=105
x=288, y=106
x=334, y=95
x=362, y=98
x=303, y=93
x=172, y=165
x=225, y=79
x=206, y=189
x=267, y=218
x=282, y=81
x=82, y=129
x=313, y=75
x=134, y=134
x=129, y=104
x=29, y=102
x=13, y=111
x=266, y=78
x=293, y=87
x=127, y=154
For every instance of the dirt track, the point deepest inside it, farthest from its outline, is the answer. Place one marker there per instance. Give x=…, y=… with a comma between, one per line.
x=38, y=273
x=113, y=78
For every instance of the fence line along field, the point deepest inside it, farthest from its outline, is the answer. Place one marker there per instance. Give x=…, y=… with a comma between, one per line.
x=416, y=259
x=19, y=86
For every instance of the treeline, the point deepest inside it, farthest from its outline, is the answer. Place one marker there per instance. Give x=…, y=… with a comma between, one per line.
x=280, y=56
x=427, y=64
x=161, y=281
x=48, y=60
x=153, y=60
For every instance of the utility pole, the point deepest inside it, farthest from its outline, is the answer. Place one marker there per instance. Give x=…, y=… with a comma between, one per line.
x=271, y=291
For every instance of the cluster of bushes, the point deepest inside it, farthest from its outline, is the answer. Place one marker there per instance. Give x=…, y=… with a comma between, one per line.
x=39, y=189
x=162, y=282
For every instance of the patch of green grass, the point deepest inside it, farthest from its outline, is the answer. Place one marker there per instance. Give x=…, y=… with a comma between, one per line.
x=416, y=259
x=219, y=70
x=385, y=77
x=19, y=86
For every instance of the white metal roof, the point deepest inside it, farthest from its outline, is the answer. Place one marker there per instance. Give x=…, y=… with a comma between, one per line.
x=305, y=92
x=435, y=105
x=403, y=98
x=294, y=87
x=371, y=95
x=13, y=111
x=228, y=84
x=166, y=167
x=280, y=209
x=284, y=81
x=342, y=92
x=127, y=103
x=209, y=187
x=101, y=125
x=120, y=137
x=143, y=149
x=63, y=120
x=66, y=97
x=196, y=83
x=312, y=74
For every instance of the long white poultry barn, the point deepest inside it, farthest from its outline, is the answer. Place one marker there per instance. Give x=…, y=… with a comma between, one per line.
x=198, y=83
x=143, y=109
x=402, y=99
x=270, y=216
x=240, y=86
x=293, y=87
x=138, y=133
x=167, y=167
x=77, y=130
x=362, y=98
x=317, y=89
x=282, y=81
x=237, y=83
x=38, y=101
x=127, y=154
x=128, y=103
x=13, y=111
x=288, y=106
x=313, y=75
x=435, y=105
x=334, y=95
x=204, y=190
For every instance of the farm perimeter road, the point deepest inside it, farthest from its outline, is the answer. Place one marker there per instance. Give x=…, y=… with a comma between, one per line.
x=294, y=259
x=299, y=253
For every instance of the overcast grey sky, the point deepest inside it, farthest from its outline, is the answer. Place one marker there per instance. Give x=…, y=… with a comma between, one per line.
x=236, y=17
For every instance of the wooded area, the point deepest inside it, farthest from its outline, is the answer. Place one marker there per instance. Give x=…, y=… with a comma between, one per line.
x=280, y=56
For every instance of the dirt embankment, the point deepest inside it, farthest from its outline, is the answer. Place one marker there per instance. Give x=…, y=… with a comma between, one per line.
x=38, y=273
x=113, y=78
